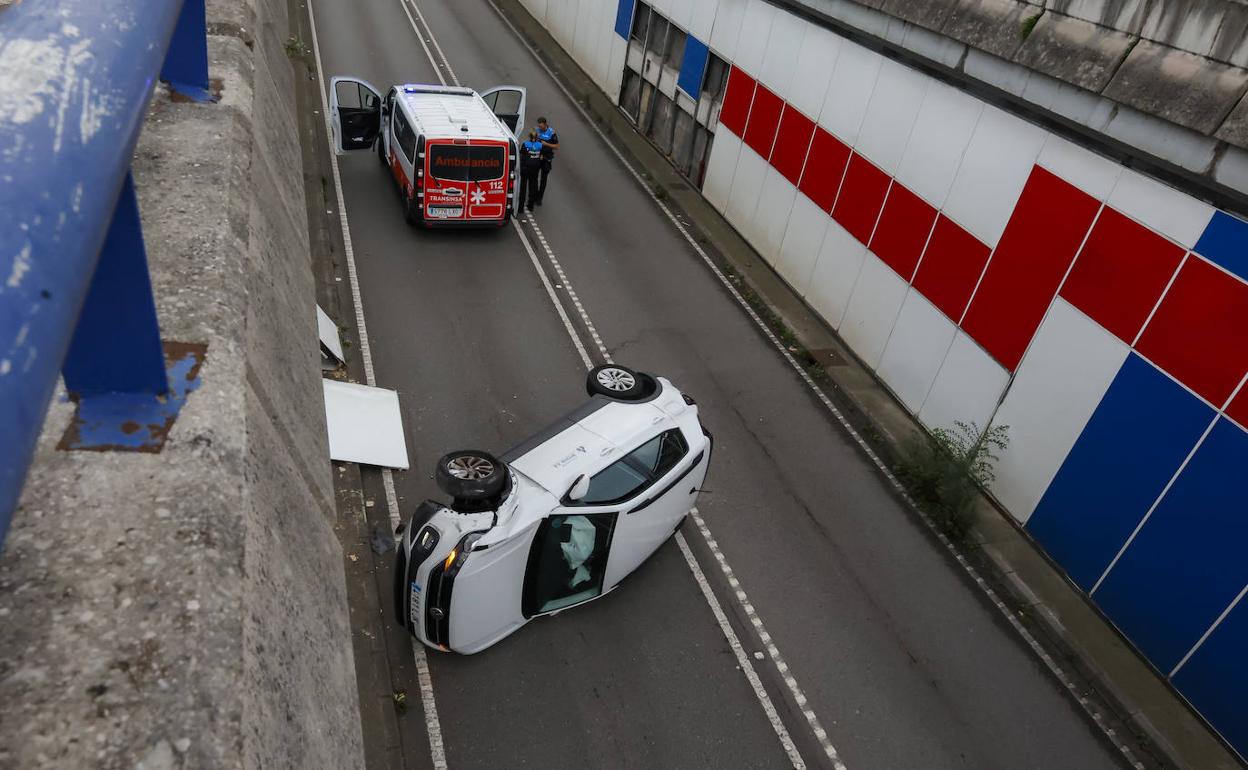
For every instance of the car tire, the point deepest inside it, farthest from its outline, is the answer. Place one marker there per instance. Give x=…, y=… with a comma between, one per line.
x=381, y=153
x=474, y=478
x=410, y=213
x=615, y=382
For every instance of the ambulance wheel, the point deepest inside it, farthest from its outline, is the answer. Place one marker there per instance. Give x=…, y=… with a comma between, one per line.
x=381, y=153
x=472, y=477
x=410, y=212
x=616, y=382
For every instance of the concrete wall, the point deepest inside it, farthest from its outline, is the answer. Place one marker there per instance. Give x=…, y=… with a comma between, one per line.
x=188, y=609
x=992, y=271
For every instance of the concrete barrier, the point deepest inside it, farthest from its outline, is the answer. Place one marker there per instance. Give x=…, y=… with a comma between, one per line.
x=188, y=608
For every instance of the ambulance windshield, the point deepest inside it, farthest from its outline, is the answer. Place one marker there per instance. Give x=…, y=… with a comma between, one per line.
x=466, y=163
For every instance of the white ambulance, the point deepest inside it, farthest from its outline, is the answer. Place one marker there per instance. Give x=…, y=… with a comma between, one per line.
x=450, y=150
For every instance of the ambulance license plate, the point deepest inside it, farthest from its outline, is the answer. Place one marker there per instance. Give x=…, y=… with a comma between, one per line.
x=446, y=212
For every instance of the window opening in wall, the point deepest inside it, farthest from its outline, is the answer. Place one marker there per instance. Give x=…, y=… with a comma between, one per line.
x=630, y=95
x=675, y=48
x=641, y=24
x=715, y=78
x=658, y=34
x=661, y=124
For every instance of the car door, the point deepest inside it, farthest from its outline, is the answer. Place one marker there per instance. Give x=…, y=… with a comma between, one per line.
x=675, y=470
x=355, y=113
x=568, y=560
x=508, y=103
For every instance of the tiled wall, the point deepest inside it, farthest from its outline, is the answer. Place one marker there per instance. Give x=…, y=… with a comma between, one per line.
x=992, y=272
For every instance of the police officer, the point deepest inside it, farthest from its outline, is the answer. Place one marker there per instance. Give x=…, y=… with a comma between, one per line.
x=550, y=142
x=530, y=166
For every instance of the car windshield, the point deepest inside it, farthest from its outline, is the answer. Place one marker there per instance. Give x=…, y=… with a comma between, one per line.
x=466, y=163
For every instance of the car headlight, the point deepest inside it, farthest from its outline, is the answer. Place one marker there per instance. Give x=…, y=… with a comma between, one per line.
x=459, y=554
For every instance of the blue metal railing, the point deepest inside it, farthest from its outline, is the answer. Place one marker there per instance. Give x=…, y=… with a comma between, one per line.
x=75, y=298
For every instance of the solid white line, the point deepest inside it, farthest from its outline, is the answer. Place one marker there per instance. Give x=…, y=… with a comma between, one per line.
x=421, y=37
x=1022, y=631
x=429, y=706
x=743, y=660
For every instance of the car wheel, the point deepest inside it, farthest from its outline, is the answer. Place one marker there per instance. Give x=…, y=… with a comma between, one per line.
x=410, y=213
x=381, y=153
x=616, y=382
x=472, y=477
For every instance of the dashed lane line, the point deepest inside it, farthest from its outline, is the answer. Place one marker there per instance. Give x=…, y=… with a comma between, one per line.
x=433, y=727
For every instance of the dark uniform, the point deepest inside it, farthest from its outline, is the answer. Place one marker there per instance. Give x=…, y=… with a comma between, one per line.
x=548, y=137
x=530, y=166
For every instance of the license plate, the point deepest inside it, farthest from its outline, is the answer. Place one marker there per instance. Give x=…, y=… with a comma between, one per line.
x=446, y=212
x=414, y=611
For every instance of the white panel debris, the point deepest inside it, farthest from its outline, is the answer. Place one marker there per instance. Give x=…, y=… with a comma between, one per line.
x=364, y=424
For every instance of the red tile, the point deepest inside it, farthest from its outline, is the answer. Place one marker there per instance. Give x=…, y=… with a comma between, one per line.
x=1238, y=409
x=1045, y=231
x=861, y=198
x=904, y=225
x=950, y=268
x=1197, y=333
x=760, y=132
x=1120, y=273
x=824, y=168
x=736, y=106
x=789, y=154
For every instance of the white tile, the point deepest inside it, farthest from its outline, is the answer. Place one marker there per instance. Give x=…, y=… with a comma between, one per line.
x=849, y=90
x=915, y=350
x=771, y=218
x=802, y=240
x=891, y=114
x=1086, y=170
x=702, y=20
x=583, y=34
x=662, y=6
x=966, y=389
x=720, y=168
x=873, y=309
x=1164, y=209
x=755, y=30
x=1068, y=368
x=836, y=271
x=815, y=63
x=747, y=188
x=682, y=13
x=607, y=42
x=615, y=69
x=994, y=169
x=942, y=131
x=727, y=28
x=783, y=46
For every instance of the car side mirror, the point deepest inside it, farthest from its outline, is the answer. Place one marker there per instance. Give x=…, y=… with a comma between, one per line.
x=579, y=488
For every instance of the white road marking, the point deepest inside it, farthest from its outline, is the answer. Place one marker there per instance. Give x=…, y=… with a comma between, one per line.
x=970, y=570
x=743, y=660
x=432, y=726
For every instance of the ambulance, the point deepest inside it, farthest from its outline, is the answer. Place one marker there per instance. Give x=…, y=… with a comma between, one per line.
x=451, y=151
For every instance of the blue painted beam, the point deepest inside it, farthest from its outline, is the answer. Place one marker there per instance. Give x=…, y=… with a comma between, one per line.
x=186, y=65
x=75, y=80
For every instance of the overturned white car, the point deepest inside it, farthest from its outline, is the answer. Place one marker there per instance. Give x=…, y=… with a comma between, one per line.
x=557, y=521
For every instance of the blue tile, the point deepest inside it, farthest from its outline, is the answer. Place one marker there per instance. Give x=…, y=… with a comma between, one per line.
x=1134, y=442
x=692, y=66
x=1225, y=242
x=1215, y=679
x=1188, y=562
x=624, y=18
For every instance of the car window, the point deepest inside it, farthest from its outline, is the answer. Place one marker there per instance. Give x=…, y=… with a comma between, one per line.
x=660, y=454
x=634, y=471
x=618, y=481
x=568, y=561
x=405, y=136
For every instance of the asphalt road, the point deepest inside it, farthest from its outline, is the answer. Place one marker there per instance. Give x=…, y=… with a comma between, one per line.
x=902, y=662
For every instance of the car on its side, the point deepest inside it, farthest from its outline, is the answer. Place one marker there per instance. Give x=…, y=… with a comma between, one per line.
x=555, y=522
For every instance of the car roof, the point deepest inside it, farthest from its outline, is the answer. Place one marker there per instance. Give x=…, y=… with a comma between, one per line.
x=441, y=111
x=586, y=440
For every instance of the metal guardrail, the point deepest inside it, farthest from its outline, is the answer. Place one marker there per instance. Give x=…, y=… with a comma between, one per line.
x=76, y=77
